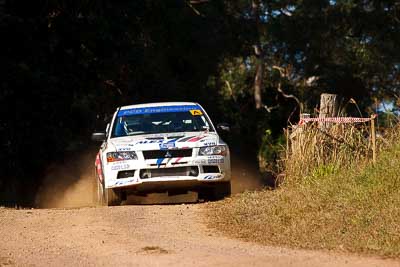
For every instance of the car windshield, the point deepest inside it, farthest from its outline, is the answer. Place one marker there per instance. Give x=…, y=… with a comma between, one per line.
x=135, y=123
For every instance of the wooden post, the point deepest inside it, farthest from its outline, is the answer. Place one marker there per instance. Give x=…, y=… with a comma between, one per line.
x=373, y=136
x=305, y=116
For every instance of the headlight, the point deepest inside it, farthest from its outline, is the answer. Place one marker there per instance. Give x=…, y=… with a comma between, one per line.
x=213, y=150
x=118, y=156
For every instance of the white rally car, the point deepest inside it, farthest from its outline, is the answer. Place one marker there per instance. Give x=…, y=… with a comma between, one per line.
x=161, y=147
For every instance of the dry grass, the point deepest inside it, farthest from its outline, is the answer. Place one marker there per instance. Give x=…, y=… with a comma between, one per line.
x=337, y=146
x=343, y=203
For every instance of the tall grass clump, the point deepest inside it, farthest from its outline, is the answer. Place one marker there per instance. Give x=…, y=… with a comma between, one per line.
x=312, y=148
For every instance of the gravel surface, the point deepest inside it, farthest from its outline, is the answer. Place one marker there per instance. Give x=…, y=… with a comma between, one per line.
x=137, y=235
x=147, y=235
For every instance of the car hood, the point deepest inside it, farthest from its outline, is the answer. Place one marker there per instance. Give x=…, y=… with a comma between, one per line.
x=164, y=141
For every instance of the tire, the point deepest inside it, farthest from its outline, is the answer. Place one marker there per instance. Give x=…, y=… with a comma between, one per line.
x=100, y=194
x=222, y=190
x=111, y=198
x=217, y=192
x=97, y=191
x=104, y=196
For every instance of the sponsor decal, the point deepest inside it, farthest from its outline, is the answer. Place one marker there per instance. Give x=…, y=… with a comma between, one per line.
x=216, y=161
x=211, y=177
x=118, y=167
x=196, y=112
x=119, y=162
x=143, y=142
x=200, y=161
x=124, y=148
x=163, y=109
x=168, y=145
x=215, y=157
x=124, y=182
x=163, y=144
x=159, y=162
x=172, y=142
x=210, y=144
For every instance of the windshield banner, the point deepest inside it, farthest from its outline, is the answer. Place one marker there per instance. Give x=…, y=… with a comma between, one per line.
x=161, y=109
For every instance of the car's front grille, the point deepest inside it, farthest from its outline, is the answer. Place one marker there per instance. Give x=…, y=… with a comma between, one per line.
x=173, y=153
x=169, y=172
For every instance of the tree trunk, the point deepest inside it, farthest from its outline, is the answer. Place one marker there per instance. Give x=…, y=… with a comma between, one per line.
x=258, y=51
x=329, y=107
x=258, y=84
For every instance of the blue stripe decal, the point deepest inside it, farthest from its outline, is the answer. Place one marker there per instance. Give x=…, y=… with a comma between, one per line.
x=159, y=162
x=162, y=109
x=168, y=145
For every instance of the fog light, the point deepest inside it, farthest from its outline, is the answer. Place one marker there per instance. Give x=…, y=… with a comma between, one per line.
x=194, y=171
x=145, y=174
x=125, y=174
x=210, y=169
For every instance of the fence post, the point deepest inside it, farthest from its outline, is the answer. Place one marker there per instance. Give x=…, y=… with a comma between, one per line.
x=329, y=107
x=373, y=135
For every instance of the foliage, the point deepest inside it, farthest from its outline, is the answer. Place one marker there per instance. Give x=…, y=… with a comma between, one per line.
x=66, y=66
x=271, y=150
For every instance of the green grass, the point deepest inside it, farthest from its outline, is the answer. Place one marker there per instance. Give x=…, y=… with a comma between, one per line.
x=354, y=210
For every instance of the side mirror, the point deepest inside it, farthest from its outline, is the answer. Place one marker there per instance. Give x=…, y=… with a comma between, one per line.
x=224, y=127
x=98, y=137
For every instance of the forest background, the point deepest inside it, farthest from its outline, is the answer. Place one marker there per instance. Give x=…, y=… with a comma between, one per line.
x=66, y=65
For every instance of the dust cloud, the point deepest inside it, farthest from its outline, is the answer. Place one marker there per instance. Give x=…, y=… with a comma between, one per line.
x=245, y=174
x=69, y=184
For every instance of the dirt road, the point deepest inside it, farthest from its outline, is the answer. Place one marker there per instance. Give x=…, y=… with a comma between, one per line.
x=149, y=235
x=136, y=235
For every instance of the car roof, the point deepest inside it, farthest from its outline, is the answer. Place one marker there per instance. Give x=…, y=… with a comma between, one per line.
x=159, y=104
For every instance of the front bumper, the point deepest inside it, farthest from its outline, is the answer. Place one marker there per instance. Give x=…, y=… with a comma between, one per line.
x=166, y=173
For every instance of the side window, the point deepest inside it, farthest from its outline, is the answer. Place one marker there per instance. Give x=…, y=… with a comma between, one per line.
x=120, y=127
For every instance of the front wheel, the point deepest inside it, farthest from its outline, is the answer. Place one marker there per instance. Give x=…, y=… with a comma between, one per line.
x=111, y=197
x=218, y=191
x=105, y=196
x=98, y=199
